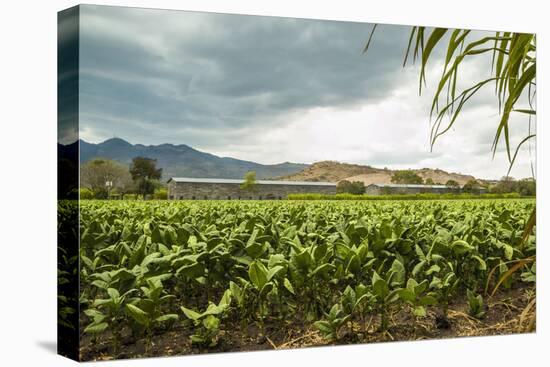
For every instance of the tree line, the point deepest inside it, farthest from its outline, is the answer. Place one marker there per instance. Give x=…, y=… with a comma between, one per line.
x=507, y=184
x=104, y=179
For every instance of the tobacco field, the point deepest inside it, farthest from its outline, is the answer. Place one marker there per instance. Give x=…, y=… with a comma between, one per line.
x=181, y=277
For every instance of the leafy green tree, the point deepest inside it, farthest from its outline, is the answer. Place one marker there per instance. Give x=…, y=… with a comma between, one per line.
x=145, y=174
x=507, y=184
x=102, y=176
x=86, y=193
x=358, y=187
x=429, y=181
x=472, y=186
x=406, y=177
x=347, y=187
x=250, y=182
x=453, y=184
x=343, y=187
x=527, y=187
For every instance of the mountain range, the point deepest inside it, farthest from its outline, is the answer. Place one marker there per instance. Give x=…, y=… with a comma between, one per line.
x=184, y=161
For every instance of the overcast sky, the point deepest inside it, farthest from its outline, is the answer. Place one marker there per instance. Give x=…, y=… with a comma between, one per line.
x=270, y=90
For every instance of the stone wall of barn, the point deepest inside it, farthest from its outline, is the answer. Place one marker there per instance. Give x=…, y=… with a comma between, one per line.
x=372, y=190
x=231, y=191
x=375, y=190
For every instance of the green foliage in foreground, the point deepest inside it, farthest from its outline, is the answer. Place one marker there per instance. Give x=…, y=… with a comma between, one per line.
x=425, y=196
x=209, y=266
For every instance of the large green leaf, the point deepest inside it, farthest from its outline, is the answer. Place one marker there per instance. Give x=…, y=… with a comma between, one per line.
x=96, y=328
x=257, y=273
x=138, y=314
x=167, y=317
x=190, y=314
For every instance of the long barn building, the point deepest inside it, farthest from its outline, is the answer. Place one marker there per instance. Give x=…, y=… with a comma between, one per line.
x=392, y=189
x=185, y=188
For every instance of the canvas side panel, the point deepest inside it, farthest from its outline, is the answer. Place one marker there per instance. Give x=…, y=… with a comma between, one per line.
x=67, y=186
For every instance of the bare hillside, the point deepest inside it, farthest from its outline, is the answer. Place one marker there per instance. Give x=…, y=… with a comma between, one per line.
x=331, y=171
x=334, y=172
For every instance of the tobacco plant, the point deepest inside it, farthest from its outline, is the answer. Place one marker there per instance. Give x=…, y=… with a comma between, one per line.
x=207, y=323
x=326, y=263
x=147, y=311
x=335, y=318
x=108, y=313
x=476, y=307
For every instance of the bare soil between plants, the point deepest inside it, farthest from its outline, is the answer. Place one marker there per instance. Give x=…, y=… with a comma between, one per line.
x=507, y=313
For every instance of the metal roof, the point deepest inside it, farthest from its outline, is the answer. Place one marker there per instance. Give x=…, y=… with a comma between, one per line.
x=412, y=186
x=240, y=181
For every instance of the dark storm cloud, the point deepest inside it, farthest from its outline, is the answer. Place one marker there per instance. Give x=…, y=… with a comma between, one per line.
x=172, y=76
x=271, y=89
x=67, y=79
